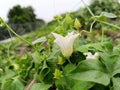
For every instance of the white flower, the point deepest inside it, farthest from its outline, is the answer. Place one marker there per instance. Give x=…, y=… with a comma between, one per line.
x=65, y=43
x=90, y=56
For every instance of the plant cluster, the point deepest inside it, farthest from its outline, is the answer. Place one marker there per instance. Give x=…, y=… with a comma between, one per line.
x=64, y=60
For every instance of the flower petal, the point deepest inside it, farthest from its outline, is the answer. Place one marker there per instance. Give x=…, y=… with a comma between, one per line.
x=65, y=43
x=60, y=40
x=57, y=36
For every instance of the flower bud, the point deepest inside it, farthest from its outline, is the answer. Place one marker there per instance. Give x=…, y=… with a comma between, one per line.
x=57, y=74
x=60, y=60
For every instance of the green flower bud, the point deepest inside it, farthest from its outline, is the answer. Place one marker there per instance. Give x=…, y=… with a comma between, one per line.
x=60, y=60
x=16, y=66
x=57, y=74
x=77, y=24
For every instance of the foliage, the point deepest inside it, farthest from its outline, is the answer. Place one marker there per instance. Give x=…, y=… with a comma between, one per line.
x=41, y=58
x=98, y=7
x=52, y=70
x=21, y=15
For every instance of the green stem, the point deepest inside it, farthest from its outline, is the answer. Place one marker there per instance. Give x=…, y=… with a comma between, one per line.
x=84, y=31
x=115, y=26
x=11, y=30
x=88, y=8
x=92, y=25
x=8, y=54
x=69, y=60
x=10, y=34
x=102, y=33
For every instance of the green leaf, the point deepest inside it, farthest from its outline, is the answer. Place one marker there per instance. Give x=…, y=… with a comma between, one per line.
x=6, y=84
x=57, y=17
x=108, y=46
x=92, y=76
x=36, y=57
x=116, y=67
x=99, y=87
x=68, y=19
x=116, y=83
x=112, y=63
x=64, y=83
x=79, y=85
x=109, y=15
x=94, y=46
x=91, y=70
x=39, y=40
x=83, y=48
x=55, y=53
x=15, y=84
x=8, y=74
x=68, y=68
x=40, y=86
x=45, y=70
x=101, y=18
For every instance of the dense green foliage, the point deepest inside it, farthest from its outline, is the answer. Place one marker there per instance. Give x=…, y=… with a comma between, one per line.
x=21, y=15
x=41, y=62
x=98, y=7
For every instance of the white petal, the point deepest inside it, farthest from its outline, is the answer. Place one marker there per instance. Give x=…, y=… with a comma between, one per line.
x=57, y=36
x=90, y=56
x=71, y=33
x=96, y=54
x=60, y=43
x=71, y=39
